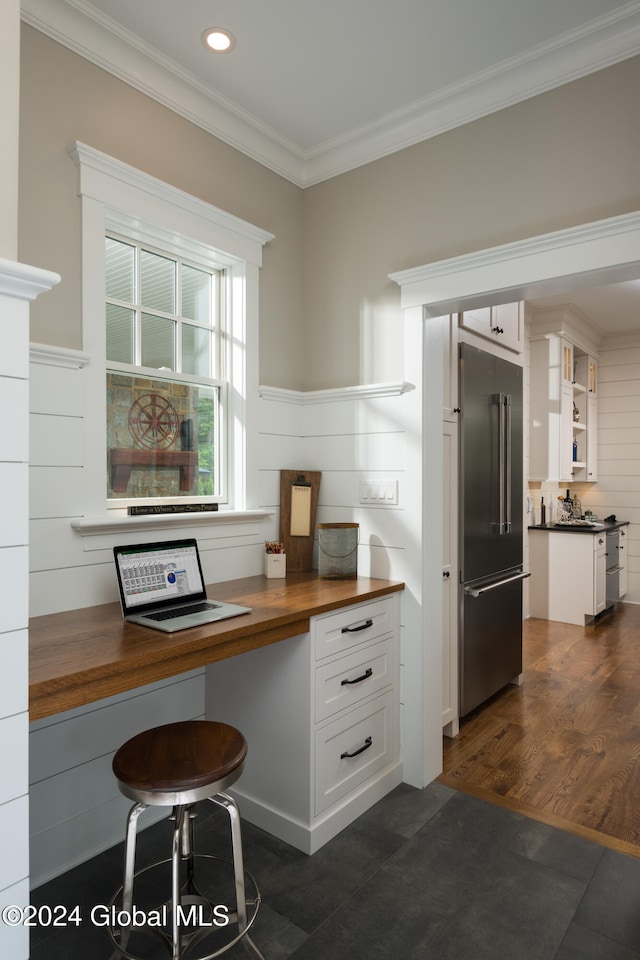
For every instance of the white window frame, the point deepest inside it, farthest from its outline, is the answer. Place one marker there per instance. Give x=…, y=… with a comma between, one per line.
x=116, y=197
x=205, y=259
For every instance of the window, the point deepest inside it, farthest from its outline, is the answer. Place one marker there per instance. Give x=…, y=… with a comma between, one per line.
x=211, y=364
x=164, y=385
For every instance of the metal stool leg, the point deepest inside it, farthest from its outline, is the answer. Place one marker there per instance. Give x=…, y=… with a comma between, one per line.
x=229, y=804
x=178, y=842
x=130, y=866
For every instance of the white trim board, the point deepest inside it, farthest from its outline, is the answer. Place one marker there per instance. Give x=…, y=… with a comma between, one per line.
x=605, y=251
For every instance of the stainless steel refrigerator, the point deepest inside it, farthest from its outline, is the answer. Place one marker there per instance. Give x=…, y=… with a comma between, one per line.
x=491, y=496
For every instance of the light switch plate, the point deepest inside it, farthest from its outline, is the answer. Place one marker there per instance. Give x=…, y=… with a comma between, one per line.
x=379, y=492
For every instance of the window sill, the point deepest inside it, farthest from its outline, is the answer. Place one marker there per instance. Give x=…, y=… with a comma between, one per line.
x=97, y=526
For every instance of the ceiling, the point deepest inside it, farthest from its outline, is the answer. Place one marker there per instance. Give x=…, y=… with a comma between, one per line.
x=611, y=309
x=311, y=90
x=314, y=89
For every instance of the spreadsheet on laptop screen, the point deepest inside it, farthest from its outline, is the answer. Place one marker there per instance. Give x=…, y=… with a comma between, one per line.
x=165, y=573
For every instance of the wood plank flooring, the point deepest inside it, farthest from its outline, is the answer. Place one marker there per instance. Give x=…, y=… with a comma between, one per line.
x=564, y=747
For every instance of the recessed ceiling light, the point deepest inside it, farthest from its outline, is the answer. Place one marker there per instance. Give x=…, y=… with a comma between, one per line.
x=218, y=40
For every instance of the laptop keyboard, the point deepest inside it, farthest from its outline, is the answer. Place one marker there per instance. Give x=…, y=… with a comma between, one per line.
x=201, y=607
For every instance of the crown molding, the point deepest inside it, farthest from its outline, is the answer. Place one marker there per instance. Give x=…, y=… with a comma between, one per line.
x=604, y=251
x=567, y=320
x=598, y=44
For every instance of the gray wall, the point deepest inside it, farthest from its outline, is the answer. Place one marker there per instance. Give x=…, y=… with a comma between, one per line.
x=329, y=314
x=64, y=98
x=563, y=158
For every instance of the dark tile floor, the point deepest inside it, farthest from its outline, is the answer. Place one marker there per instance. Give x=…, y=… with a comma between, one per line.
x=424, y=874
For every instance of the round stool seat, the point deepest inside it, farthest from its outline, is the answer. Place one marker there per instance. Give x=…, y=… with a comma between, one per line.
x=180, y=762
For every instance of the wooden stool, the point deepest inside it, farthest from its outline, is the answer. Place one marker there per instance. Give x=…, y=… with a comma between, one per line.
x=177, y=765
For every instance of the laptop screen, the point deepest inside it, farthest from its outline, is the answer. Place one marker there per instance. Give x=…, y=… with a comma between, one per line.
x=155, y=575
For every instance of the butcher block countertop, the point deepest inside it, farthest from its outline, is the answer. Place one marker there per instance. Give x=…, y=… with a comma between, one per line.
x=80, y=656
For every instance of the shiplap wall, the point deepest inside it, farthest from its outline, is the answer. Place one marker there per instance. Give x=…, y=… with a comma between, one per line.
x=76, y=809
x=346, y=439
x=618, y=488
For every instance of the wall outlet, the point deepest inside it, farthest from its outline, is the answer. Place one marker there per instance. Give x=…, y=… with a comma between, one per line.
x=379, y=491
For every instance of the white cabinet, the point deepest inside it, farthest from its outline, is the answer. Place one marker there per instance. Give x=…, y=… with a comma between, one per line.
x=320, y=714
x=586, y=427
x=568, y=575
x=551, y=409
x=564, y=412
x=503, y=325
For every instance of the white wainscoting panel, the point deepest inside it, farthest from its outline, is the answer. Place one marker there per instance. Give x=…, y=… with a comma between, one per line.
x=14, y=496
x=14, y=762
x=55, y=492
x=14, y=604
x=14, y=676
x=55, y=441
x=14, y=861
x=14, y=397
x=76, y=807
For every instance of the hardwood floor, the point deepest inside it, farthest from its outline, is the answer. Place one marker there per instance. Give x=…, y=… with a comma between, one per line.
x=564, y=747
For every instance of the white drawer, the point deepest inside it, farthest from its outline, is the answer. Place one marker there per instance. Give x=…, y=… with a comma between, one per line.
x=350, y=626
x=352, y=749
x=343, y=682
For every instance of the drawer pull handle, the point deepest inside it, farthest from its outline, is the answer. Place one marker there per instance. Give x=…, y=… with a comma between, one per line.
x=361, y=626
x=368, y=742
x=365, y=676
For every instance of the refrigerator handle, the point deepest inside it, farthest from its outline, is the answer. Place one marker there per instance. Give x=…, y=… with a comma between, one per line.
x=507, y=464
x=478, y=591
x=503, y=466
x=503, y=401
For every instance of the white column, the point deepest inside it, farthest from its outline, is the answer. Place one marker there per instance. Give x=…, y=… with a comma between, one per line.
x=18, y=285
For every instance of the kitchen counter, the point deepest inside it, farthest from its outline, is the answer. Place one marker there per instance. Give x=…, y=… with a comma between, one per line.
x=576, y=578
x=600, y=527
x=81, y=656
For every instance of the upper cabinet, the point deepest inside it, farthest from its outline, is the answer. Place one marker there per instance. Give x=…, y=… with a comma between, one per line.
x=502, y=325
x=585, y=415
x=563, y=403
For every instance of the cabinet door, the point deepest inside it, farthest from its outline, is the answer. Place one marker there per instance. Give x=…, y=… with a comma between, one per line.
x=599, y=575
x=567, y=362
x=566, y=432
x=586, y=373
x=507, y=323
x=478, y=321
x=502, y=324
x=592, y=437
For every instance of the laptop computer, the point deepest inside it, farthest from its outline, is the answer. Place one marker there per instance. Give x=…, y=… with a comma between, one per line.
x=161, y=586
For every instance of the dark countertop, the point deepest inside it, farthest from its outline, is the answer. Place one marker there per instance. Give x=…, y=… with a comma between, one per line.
x=567, y=528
